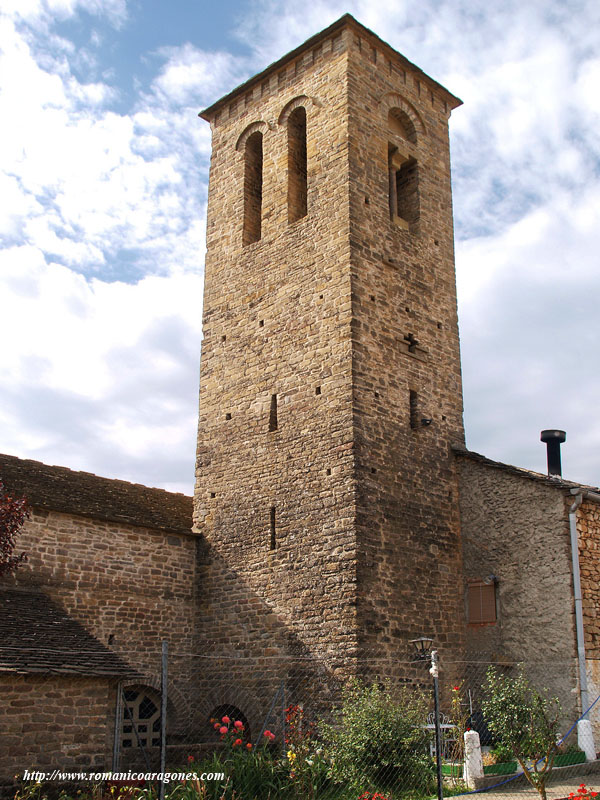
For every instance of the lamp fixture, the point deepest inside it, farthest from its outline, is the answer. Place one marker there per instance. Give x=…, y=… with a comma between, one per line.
x=422, y=647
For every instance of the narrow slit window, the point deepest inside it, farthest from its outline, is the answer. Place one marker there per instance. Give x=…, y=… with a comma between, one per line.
x=253, y=185
x=272, y=543
x=273, y=413
x=413, y=404
x=297, y=165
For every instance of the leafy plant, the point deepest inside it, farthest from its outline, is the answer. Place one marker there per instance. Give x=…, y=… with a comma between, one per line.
x=257, y=773
x=525, y=721
x=378, y=739
x=13, y=513
x=501, y=753
x=307, y=764
x=459, y=717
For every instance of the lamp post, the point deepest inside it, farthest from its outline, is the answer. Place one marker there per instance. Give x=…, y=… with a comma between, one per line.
x=425, y=653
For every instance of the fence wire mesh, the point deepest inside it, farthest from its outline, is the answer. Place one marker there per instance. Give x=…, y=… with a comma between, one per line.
x=274, y=726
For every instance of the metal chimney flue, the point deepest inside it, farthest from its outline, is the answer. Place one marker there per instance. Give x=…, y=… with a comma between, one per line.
x=553, y=440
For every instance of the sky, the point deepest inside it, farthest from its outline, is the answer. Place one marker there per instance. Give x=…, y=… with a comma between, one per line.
x=103, y=185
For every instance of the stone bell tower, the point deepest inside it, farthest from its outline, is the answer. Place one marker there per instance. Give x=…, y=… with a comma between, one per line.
x=330, y=379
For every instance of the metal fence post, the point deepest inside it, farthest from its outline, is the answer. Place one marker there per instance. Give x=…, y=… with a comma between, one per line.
x=163, y=717
x=118, y=727
x=434, y=671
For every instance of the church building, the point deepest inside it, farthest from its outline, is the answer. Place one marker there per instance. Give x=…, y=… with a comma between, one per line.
x=337, y=513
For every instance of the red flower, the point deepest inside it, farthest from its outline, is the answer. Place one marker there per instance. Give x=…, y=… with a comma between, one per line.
x=239, y=725
x=226, y=720
x=223, y=730
x=270, y=736
x=456, y=688
x=190, y=759
x=249, y=746
x=217, y=725
x=237, y=743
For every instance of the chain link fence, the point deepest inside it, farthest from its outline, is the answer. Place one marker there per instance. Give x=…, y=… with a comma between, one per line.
x=278, y=726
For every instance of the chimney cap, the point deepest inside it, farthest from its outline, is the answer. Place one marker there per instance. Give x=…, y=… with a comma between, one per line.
x=553, y=435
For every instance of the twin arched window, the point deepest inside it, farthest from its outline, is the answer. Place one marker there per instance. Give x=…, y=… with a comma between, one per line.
x=297, y=176
x=402, y=172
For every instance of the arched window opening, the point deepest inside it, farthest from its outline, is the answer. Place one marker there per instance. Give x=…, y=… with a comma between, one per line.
x=297, y=165
x=402, y=169
x=141, y=717
x=234, y=714
x=253, y=185
x=401, y=124
x=403, y=187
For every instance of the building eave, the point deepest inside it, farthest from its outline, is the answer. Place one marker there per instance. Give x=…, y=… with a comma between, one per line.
x=347, y=20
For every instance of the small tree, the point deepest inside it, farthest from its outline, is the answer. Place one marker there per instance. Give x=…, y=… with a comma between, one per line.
x=379, y=740
x=13, y=513
x=525, y=720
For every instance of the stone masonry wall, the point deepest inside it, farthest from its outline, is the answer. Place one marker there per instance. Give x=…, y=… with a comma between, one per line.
x=588, y=528
x=130, y=587
x=405, y=342
x=55, y=722
x=515, y=527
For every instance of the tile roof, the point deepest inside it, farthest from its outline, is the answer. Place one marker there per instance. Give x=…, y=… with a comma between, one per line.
x=37, y=635
x=85, y=494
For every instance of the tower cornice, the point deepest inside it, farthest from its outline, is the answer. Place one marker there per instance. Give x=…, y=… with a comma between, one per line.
x=347, y=21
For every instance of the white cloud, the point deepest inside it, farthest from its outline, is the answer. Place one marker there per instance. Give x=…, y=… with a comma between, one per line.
x=122, y=358
x=44, y=12
x=195, y=76
x=93, y=183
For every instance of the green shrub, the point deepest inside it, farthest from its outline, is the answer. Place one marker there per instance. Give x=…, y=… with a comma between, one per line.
x=502, y=753
x=378, y=740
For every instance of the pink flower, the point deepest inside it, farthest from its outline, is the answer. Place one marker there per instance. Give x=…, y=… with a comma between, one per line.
x=223, y=730
x=239, y=725
x=270, y=736
x=217, y=725
x=226, y=720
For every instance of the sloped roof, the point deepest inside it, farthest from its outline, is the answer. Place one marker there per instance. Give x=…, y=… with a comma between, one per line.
x=555, y=481
x=62, y=489
x=36, y=635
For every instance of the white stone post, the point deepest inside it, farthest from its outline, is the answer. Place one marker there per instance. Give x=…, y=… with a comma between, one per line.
x=585, y=739
x=473, y=763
